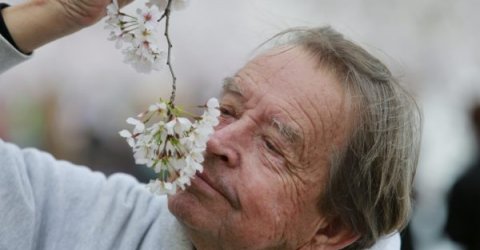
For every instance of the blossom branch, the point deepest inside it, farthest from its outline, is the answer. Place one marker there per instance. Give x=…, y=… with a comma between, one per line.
x=162, y=140
x=169, y=52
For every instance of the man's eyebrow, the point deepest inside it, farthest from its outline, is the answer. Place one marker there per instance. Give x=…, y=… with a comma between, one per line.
x=229, y=85
x=289, y=133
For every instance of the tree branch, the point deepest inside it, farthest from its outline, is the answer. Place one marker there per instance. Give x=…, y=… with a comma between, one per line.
x=169, y=52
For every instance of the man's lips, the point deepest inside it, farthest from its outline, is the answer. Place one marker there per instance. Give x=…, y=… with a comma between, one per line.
x=204, y=177
x=221, y=189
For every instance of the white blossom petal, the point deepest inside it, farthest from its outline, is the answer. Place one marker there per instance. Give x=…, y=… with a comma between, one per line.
x=213, y=103
x=169, y=127
x=182, y=125
x=125, y=134
x=139, y=126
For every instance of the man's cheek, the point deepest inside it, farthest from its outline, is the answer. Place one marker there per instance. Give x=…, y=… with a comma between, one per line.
x=266, y=207
x=255, y=229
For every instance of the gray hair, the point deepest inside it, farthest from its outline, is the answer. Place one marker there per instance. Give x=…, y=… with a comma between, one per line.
x=370, y=180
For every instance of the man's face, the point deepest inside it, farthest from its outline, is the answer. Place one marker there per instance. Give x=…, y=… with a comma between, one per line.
x=267, y=162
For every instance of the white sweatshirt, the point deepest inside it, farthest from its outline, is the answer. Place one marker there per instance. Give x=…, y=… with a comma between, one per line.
x=51, y=204
x=9, y=56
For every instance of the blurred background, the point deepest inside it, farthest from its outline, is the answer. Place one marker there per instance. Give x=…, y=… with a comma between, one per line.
x=74, y=95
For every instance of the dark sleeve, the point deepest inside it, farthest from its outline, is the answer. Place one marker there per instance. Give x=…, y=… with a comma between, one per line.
x=3, y=27
x=10, y=55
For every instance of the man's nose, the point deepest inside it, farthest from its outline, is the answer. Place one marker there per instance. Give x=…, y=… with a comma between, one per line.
x=224, y=145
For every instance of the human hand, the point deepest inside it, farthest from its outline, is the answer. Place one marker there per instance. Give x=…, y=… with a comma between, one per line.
x=37, y=22
x=83, y=13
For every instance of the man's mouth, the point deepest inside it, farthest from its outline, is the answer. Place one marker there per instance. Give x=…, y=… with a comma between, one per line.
x=220, y=188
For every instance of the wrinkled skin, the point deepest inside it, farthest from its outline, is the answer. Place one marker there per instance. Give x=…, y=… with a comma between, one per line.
x=81, y=13
x=259, y=190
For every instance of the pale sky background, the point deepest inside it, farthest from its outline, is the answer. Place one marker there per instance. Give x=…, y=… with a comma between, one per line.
x=430, y=44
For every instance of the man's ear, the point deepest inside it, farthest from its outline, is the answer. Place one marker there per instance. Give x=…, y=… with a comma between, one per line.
x=332, y=236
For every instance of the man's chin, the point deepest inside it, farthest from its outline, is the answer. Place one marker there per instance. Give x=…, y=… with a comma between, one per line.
x=188, y=209
x=182, y=205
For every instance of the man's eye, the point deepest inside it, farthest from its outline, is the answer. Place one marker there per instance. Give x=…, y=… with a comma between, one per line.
x=271, y=146
x=226, y=112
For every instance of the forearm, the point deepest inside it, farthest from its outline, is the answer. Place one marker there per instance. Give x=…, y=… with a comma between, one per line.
x=51, y=204
x=35, y=23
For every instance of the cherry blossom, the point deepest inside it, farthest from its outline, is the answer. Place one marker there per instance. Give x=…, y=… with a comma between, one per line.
x=138, y=35
x=171, y=145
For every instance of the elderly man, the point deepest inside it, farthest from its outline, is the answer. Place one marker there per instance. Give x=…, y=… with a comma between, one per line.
x=316, y=149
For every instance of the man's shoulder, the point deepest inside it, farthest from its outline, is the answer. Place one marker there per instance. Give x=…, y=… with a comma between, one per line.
x=389, y=242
